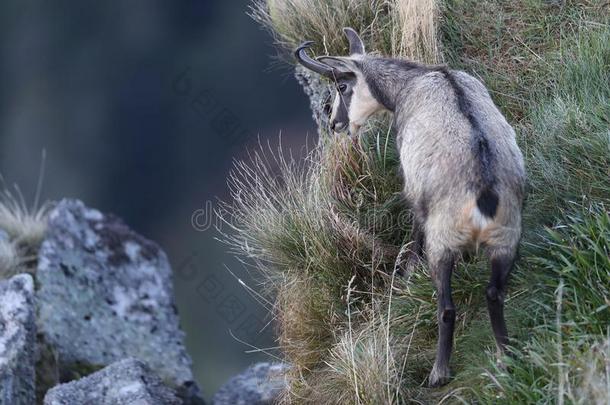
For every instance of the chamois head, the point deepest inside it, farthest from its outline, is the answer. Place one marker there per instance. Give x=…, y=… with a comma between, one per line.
x=353, y=102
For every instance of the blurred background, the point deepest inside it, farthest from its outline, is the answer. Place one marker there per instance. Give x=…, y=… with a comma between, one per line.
x=142, y=107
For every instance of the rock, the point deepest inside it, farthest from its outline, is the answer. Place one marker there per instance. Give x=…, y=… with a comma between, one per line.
x=318, y=90
x=260, y=384
x=17, y=341
x=104, y=294
x=125, y=382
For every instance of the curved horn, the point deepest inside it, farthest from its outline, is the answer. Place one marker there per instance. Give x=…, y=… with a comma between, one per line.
x=356, y=46
x=310, y=63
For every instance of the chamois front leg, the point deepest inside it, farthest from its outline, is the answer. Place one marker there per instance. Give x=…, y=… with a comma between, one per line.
x=441, y=269
x=412, y=253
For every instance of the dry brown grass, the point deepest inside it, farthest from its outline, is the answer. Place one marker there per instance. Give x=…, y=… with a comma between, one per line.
x=415, y=30
x=9, y=259
x=22, y=223
x=308, y=237
x=305, y=313
x=25, y=228
x=363, y=361
x=399, y=28
x=362, y=368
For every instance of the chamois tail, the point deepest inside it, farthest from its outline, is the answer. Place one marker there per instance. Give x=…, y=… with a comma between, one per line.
x=487, y=201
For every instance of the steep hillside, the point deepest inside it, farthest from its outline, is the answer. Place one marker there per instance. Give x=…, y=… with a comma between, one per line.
x=326, y=232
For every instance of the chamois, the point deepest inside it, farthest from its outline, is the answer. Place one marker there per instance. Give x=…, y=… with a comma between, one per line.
x=464, y=176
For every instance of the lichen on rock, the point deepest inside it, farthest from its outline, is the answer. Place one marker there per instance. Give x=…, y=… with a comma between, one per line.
x=17, y=341
x=261, y=384
x=104, y=294
x=319, y=92
x=126, y=382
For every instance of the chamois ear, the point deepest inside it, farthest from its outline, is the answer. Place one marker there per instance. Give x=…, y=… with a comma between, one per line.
x=340, y=65
x=356, y=46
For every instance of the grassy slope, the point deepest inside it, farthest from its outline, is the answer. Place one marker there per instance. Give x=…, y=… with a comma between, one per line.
x=556, y=88
x=326, y=233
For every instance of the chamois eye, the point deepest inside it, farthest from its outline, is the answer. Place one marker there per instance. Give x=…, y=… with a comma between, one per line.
x=343, y=87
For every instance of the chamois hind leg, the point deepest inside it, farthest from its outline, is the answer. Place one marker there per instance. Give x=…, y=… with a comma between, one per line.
x=441, y=267
x=501, y=266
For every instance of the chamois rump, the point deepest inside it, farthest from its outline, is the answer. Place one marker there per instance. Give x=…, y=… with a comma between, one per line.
x=463, y=172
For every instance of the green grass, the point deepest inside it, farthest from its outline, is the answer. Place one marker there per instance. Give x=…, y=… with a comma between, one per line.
x=325, y=232
x=567, y=130
x=566, y=352
x=509, y=44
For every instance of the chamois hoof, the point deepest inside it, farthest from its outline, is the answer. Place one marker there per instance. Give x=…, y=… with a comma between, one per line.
x=438, y=377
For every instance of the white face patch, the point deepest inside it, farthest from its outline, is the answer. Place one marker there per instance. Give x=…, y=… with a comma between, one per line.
x=354, y=102
x=362, y=105
x=336, y=105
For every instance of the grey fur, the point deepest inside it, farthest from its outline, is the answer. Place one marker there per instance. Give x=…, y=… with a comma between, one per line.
x=463, y=173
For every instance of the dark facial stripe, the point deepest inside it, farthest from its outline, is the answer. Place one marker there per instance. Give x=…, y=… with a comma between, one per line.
x=342, y=115
x=345, y=100
x=381, y=96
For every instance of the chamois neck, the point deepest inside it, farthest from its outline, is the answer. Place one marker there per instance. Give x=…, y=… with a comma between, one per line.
x=387, y=78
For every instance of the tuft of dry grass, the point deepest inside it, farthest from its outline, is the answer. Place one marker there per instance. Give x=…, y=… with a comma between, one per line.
x=310, y=231
x=415, y=30
x=365, y=366
x=307, y=314
x=401, y=28
x=9, y=259
x=23, y=224
x=24, y=228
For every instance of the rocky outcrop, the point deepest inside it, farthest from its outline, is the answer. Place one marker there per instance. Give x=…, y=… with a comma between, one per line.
x=17, y=341
x=318, y=91
x=125, y=382
x=260, y=384
x=105, y=294
x=102, y=319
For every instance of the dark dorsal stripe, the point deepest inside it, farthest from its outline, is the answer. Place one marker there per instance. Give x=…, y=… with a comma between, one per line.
x=377, y=90
x=488, y=199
